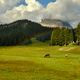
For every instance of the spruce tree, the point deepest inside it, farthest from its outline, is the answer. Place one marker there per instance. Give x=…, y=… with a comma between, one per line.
x=78, y=34
x=55, y=36
x=61, y=36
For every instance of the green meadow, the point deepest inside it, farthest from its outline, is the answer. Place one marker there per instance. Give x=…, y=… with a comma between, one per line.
x=29, y=63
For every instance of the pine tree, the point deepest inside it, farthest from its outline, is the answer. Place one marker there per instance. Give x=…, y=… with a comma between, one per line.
x=61, y=36
x=55, y=36
x=78, y=34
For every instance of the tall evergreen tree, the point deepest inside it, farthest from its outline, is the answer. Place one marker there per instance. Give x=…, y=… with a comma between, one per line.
x=61, y=36
x=55, y=36
x=78, y=34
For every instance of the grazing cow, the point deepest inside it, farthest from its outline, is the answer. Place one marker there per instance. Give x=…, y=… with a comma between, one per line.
x=47, y=56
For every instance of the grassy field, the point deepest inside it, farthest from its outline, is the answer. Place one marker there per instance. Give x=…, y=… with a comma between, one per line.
x=28, y=62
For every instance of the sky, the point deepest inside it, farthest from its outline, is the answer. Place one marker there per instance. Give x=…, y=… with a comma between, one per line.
x=36, y=10
x=43, y=2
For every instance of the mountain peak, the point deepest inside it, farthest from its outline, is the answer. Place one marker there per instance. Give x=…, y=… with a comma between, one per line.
x=55, y=23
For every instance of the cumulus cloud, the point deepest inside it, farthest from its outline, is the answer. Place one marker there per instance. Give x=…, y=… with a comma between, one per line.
x=33, y=5
x=7, y=5
x=29, y=11
x=68, y=10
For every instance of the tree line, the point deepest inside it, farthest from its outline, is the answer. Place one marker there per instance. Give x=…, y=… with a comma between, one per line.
x=65, y=36
x=21, y=32
x=62, y=36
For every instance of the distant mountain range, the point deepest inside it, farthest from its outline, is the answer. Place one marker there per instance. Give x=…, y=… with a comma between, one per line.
x=52, y=23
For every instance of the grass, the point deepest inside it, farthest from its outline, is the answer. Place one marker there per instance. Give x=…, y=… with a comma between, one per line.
x=28, y=62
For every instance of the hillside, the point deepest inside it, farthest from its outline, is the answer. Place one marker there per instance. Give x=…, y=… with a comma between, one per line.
x=22, y=31
x=16, y=32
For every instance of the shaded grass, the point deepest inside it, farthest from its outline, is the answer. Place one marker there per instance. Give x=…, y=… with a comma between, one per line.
x=21, y=70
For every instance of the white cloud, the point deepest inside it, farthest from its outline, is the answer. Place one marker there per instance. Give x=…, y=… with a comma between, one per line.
x=76, y=1
x=68, y=10
x=30, y=11
x=7, y=5
x=30, y=1
x=33, y=5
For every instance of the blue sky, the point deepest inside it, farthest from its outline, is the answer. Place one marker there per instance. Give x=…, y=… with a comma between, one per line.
x=43, y=2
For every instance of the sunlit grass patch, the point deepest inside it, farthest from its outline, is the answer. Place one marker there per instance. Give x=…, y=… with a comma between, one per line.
x=28, y=62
